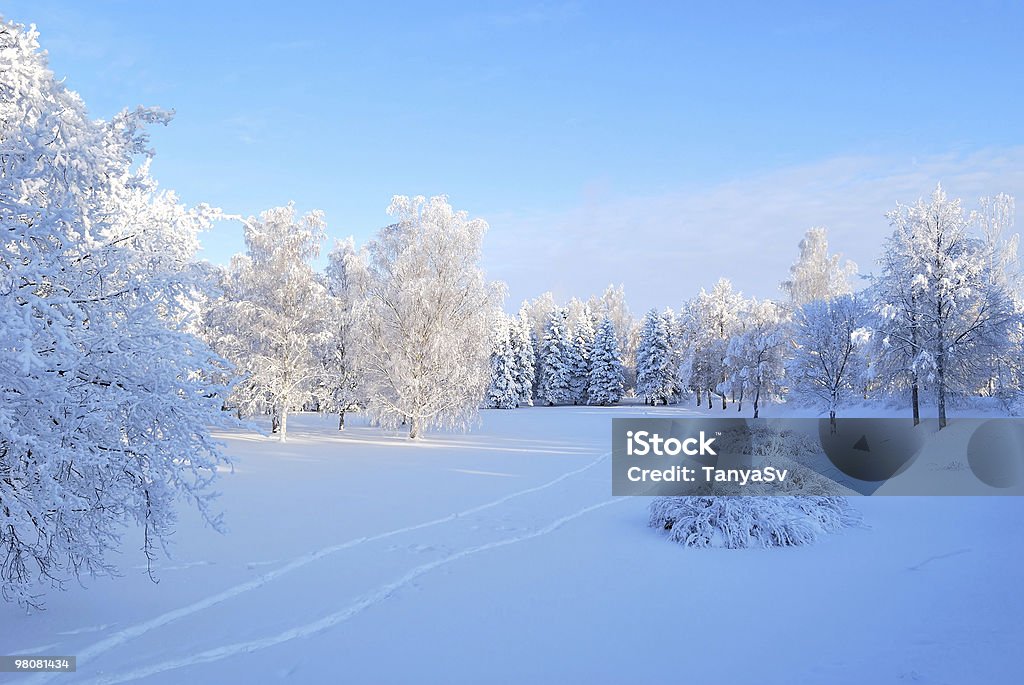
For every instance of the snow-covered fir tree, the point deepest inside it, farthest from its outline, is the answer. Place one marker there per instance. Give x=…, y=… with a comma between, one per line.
x=655, y=377
x=503, y=391
x=524, y=361
x=107, y=399
x=612, y=305
x=555, y=361
x=677, y=351
x=423, y=317
x=606, y=376
x=583, y=341
x=535, y=314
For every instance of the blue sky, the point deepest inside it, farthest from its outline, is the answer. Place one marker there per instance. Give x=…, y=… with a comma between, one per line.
x=661, y=145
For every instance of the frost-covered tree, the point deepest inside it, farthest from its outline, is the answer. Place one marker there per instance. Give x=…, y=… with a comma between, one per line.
x=583, y=341
x=817, y=275
x=1001, y=245
x=756, y=355
x=280, y=311
x=827, y=362
x=423, y=317
x=107, y=398
x=946, y=308
x=996, y=220
x=713, y=318
x=524, y=361
x=335, y=386
x=606, y=377
x=555, y=361
x=535, y=314
x=655, y=375
x=612, y=305
x=503, y=391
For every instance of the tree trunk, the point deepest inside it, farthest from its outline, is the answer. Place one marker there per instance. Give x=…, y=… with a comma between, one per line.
x=414, y=428
x=275, y=423
x=757, y=399
x=914, y=395
x=739, y=405
x=284, y=424
x=341, y=420
x=940, y=362
x=723, y=401
x=698, y=398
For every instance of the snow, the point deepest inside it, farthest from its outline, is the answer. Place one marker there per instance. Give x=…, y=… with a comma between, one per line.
x=500, y=556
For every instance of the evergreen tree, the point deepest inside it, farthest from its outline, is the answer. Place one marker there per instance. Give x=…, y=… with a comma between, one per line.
x=524, y=361
x=655, y=380
x=580, y=361
x=606, y=376
x=503, y=391
x=555, y=357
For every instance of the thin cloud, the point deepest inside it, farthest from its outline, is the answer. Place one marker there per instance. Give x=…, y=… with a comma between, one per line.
x=665, y=247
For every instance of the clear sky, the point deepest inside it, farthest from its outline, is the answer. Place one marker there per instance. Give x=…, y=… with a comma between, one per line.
x=660, y=145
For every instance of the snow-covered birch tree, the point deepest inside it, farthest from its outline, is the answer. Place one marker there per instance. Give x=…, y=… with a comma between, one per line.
x=278, y=309
x=817, y=275
x=756, y=356
x=336, y=385
x=423, y=317
x=827, y=361
x=948, y=310
x=712, y=319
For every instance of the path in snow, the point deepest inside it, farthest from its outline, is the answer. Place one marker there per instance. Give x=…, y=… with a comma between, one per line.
x=88, y=654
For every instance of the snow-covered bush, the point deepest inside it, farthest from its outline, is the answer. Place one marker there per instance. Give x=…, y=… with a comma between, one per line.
x=737, y=522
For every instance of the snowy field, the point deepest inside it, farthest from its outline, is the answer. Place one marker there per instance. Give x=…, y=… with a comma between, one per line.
x=500, y=556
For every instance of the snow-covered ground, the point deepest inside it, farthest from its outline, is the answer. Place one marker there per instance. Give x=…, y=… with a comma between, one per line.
x=500, y=556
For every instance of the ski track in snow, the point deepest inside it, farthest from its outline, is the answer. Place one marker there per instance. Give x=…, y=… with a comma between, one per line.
x=954, y=553
x=88, y=629
x=90, y=652
x=365, y=602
